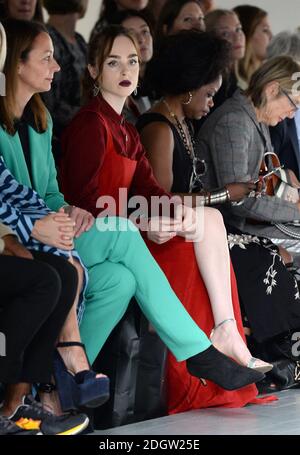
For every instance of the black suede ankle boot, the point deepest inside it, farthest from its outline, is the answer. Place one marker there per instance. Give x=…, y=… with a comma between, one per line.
x=211, y=364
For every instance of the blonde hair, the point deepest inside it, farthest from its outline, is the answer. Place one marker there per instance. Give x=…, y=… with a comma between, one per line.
x=211, y=23
x=278, y=69
x=211, y=19
x=250, y=17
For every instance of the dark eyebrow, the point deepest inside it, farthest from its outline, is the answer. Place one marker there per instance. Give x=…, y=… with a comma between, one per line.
x=141, y=27
x=118, y=56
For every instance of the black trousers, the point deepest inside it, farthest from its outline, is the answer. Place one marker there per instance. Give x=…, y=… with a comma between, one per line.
x=35, y=299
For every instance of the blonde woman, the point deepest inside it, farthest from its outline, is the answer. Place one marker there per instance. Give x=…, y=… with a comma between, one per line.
x=257, y=29
x=226, y=24
x=285, y=136
x=235, y=140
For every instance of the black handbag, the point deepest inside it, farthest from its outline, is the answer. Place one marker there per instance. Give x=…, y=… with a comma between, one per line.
x=286, y=367
x=134, y=358
x=284, y=375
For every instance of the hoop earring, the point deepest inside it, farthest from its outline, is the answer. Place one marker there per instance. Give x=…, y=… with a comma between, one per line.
x=189, y=99
x=96, y=90
x=135, y=92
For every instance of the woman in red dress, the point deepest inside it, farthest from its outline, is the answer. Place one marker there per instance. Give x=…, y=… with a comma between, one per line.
x=101, y=154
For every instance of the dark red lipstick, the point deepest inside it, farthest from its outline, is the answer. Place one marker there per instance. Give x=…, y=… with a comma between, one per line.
x=125, y=83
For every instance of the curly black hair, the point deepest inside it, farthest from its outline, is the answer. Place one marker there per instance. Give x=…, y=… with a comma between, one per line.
x=187, y=61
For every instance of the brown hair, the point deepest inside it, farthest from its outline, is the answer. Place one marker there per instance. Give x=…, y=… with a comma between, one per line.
x=278, y=69
x=99, y=49
x=211, y=22
x=65, y=6
x=20, y=36
x=38, y=14
x=168, y=15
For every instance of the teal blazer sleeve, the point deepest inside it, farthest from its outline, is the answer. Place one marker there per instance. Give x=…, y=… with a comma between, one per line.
x=44, y=176
x=53, y=197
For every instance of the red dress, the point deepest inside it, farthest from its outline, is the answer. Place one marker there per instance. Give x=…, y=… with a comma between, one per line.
x=102, y=153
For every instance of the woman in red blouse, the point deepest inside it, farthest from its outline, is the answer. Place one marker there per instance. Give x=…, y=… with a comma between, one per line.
x=102, y=153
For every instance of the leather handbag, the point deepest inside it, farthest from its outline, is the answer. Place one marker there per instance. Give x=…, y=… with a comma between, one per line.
x=134, y=358
x=283, y=183
x=285, y=374
x=286, y=367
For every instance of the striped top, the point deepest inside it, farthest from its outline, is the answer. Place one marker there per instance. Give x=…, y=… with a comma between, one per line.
x=20, y=207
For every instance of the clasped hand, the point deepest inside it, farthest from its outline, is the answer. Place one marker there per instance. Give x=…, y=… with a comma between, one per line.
x=55, y=229
x=184, y=224
x=83, y=220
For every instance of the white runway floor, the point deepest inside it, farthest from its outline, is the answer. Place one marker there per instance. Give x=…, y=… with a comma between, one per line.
x=281, y=417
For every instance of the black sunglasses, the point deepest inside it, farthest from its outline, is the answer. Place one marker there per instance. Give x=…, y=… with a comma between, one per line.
x=290, y=99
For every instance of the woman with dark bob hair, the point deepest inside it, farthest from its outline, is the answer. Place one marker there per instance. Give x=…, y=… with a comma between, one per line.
x=177, y=15
x=14, y=9
x=110, y=8
x=187, y=74
x=116, y=159
x=70, y=48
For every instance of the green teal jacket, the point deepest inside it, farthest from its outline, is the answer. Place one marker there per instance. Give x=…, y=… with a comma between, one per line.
x=44, y=176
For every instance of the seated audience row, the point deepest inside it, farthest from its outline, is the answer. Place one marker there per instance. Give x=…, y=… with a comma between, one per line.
x=118, y=263
x=112, y=266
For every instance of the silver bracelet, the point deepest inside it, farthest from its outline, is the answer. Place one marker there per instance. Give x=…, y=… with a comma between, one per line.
x=219, y=196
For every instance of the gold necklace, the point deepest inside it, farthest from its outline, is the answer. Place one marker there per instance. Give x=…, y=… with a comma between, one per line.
x=190, y=150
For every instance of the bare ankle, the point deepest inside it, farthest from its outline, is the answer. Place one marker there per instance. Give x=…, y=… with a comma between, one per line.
x=50, y=402
x=9, y=409
x=74, y=358
x=224, y=327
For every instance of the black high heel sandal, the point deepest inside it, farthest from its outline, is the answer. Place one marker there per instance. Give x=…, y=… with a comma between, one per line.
x=78, y=390
x=211, y=364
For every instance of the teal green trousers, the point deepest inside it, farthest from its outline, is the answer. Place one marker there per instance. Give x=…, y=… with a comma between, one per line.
x=120, y=267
